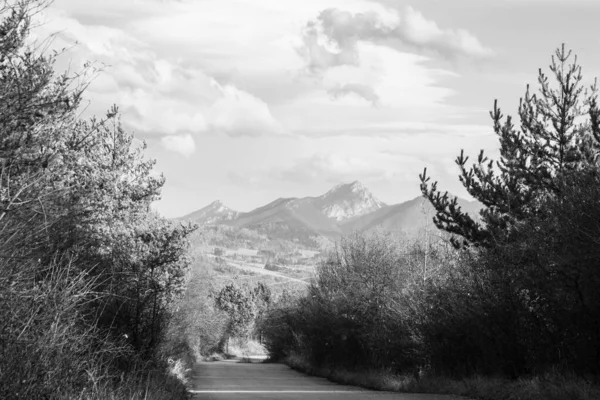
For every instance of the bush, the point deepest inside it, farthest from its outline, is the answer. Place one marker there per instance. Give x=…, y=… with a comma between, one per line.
x=528, y=305
x=86, y=269
x=358, y=311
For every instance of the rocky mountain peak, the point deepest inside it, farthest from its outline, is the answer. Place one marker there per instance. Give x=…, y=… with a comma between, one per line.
x=346, y=188
x=356, y=186
x=347, y=201
x=215, y=212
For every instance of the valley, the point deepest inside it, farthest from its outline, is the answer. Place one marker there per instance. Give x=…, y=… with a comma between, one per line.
x=282, y=243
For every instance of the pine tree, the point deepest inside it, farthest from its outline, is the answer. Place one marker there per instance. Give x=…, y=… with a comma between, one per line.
x=559, y=135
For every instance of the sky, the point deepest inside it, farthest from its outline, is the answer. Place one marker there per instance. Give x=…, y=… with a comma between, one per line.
x=246, y=101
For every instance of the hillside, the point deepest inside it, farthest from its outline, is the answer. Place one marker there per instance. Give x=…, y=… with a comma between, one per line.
x=410, y=217
x=288, y=219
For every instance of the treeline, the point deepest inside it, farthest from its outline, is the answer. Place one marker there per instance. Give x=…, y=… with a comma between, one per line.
x=518, y=292
x=87, y=270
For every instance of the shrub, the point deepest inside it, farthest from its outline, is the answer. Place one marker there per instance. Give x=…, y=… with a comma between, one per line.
x=86, y=269
x=357, y=312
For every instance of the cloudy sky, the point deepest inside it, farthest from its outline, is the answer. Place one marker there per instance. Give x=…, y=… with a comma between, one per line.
x=250, y=100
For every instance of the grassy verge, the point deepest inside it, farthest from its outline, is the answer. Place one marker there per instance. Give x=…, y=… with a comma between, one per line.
x=157, y=385
x=547, y=387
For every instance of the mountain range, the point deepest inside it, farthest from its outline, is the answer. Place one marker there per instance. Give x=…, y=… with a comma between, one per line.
x=343, y=209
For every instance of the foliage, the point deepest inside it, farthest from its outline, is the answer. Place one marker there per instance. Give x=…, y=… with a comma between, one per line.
x=559, y=135
x=87, y=270
x=527, y=299
x=243, y=306
x=550, y=386
x=357, y=311
x=197, y=326
x=233, y=301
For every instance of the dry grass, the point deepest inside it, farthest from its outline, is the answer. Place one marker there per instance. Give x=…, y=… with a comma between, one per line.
x=552, y=386
x=156, y=385
x=47, y=350
x=179, y=370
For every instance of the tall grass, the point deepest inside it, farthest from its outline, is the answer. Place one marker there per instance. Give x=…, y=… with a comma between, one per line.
x=50, y=347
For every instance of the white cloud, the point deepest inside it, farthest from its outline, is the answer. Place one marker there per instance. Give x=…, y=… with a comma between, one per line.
x=241, y=79
x=158, y=95
x=183, y=144
x=332, y=40
x=237, y=113
x=363, y=91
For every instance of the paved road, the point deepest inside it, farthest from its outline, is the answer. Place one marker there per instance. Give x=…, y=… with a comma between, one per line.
x=226, y=380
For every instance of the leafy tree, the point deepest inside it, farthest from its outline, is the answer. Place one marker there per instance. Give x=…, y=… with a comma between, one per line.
x=136, y=257
x=84, y=262
x=559, y=133
x=239, y=306
x=244, y=306
x=262, y=297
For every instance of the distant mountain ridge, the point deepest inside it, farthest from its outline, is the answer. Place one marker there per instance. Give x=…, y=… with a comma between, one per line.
x=214, y=213
x=343, y=209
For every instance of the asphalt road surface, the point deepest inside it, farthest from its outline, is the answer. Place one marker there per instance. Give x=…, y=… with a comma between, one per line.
x=224, y=380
